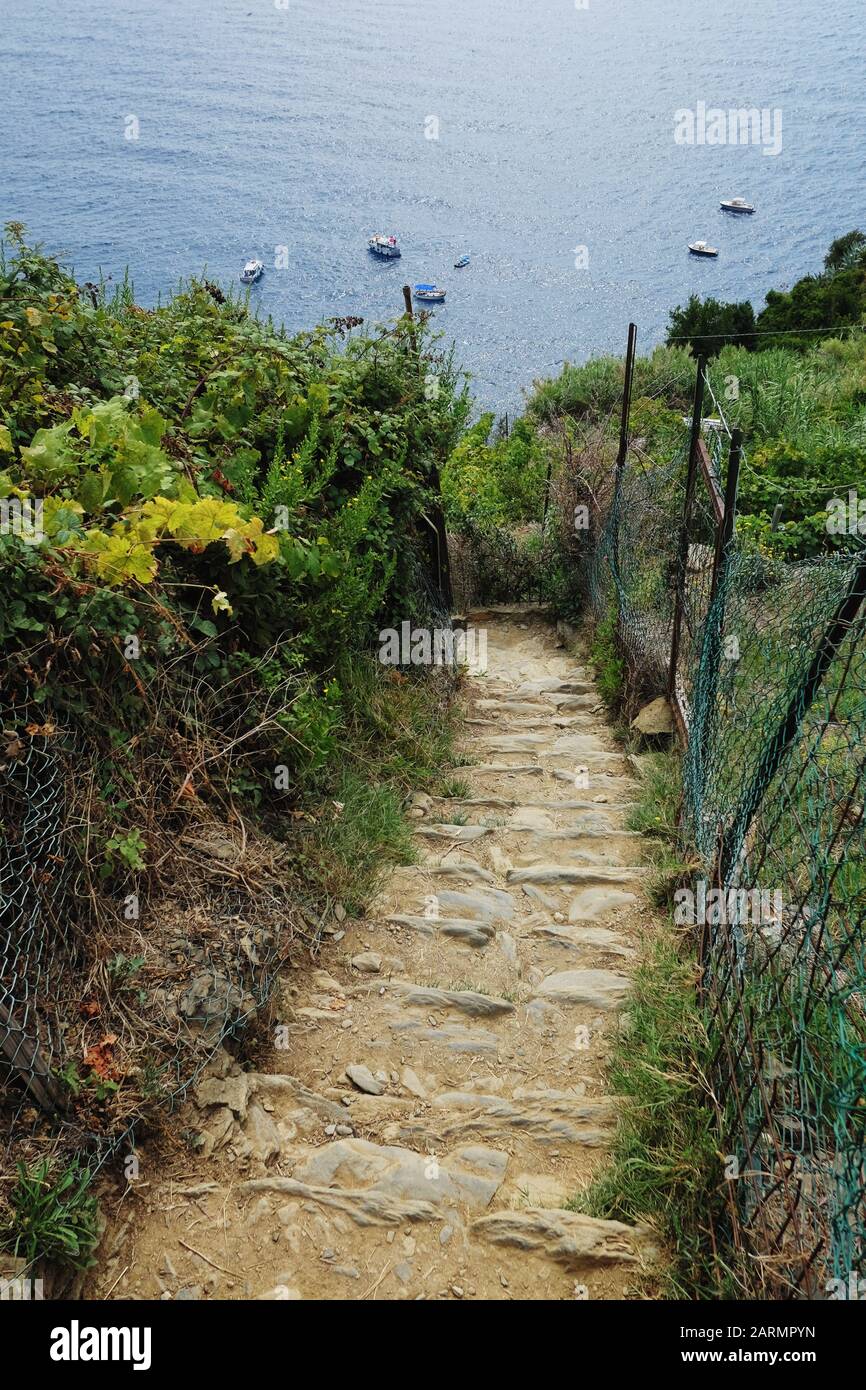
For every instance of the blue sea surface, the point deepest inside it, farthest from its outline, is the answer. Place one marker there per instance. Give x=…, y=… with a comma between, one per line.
x=306, y=125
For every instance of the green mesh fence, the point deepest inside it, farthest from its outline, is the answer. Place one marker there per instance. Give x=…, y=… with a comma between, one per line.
x=775, y=788
x=770, y=685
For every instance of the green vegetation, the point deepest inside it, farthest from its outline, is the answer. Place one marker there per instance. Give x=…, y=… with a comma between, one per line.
x=206, y=523
x=224, y=509
x=801, y=404
x=708, y=325
x=499, y=480
x=607, y=660
x=817, y=306
x=51, y=1217
x=665, y=1167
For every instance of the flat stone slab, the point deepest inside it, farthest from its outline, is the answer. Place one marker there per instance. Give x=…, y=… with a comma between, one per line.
x=581, y=745
x=229, y=1091
x=270, y=1084
x=597, y=939
x=568, y=701
x=552, y=1117
x=453, y=1037
x=508, y=769
x=462, y=1000
x=469, y=1175
x=560, y=873
x=487, y=905
x=443, y=831
x=536, y=708
x=530, y=818
x=568, y=1238
x=477, y=934
x=551, y=685
x=515, y=743
x=593, y=903
x=471, y=873
x=538, y=895
x=601, y=989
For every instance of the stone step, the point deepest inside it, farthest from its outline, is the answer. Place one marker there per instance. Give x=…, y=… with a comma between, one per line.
x=597, y=989
x=497, y=770
x=547, y=1116
x=568, y=1238
x=386, y=1185
x=473, y=933
x=463, y=1001
x=487, y=904
x=586, y=940
x=572, y=684
x=564, y=875
x=442, y=830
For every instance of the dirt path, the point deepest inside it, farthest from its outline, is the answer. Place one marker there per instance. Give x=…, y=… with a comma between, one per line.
x=439, y=1096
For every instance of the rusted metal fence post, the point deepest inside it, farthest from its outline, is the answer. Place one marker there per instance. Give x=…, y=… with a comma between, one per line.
x=626, y=397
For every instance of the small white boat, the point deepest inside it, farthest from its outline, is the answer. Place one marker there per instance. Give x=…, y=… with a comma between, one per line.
x=736, y=205
x=464, y=261
x=385, y=246
x=430, y=294
x=700, y=248
x=252, y=271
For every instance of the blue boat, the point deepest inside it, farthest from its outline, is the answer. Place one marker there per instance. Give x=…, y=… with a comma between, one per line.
x=430, y=294
x=464, y=260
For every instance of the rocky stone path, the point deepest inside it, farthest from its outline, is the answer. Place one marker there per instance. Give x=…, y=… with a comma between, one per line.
x=440, y=1097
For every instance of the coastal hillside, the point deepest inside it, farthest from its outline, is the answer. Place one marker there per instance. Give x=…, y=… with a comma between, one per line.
x=368, y=764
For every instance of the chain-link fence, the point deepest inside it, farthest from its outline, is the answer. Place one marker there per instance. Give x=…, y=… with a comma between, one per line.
x=121, y=976
x=110, y=1004
x=765, y=665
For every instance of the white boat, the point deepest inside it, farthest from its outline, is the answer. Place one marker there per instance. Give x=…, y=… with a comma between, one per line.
x=430, y=294
x=252, y=271
x=464, y=261
x=382, y=245
x=736, y=205
x=700, y=248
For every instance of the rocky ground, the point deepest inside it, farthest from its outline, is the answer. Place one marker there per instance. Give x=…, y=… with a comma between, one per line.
x=436, y=1095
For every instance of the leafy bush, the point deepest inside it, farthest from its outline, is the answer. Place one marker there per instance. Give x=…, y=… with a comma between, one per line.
x=708, y=325
x=499, y=481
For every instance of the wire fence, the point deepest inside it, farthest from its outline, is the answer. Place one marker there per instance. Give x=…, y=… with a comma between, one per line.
x=765, y=665
x=110, y=1005
x=117, y=991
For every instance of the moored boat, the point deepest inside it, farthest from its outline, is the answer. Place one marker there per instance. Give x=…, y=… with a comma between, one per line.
x=700, y=248
x=736, y=205
x=464, y=260
x=252, y=271
x=382, y=245
x=430, y=294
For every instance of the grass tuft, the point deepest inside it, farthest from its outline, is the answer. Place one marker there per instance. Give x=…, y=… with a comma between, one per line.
x=665, y=1168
